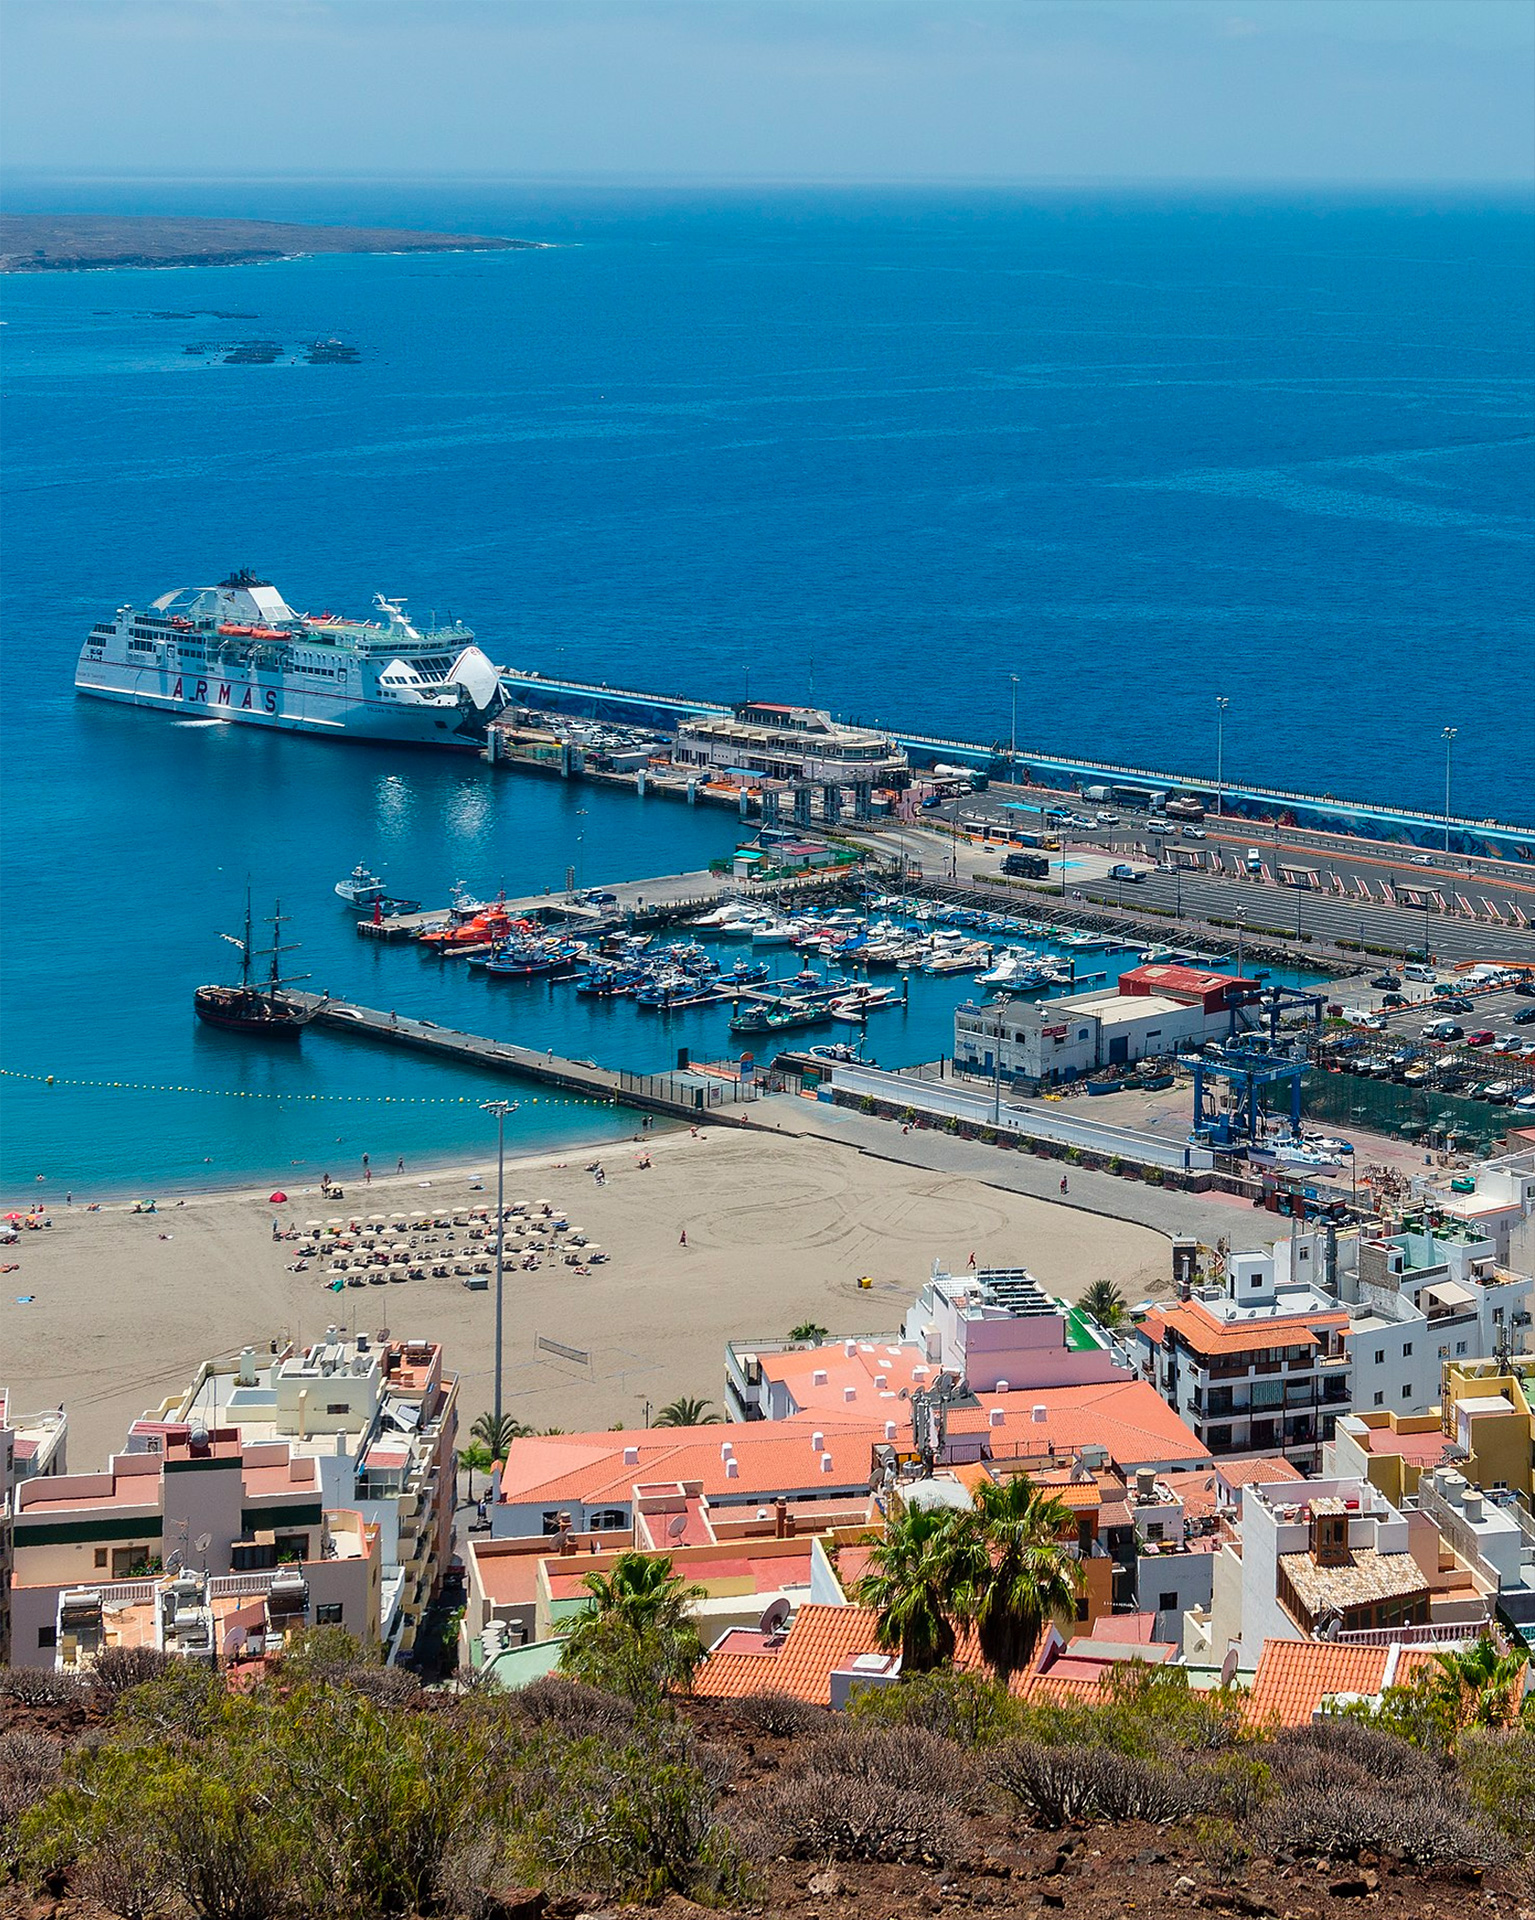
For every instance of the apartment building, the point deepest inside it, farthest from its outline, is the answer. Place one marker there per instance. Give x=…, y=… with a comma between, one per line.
x=996, y=1329
x=1291, y=1341
x=31, y=1446
x=379, y=1418
x=93, y=1552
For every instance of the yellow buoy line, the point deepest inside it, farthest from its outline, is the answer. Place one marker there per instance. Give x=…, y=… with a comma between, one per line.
x=339, y=1099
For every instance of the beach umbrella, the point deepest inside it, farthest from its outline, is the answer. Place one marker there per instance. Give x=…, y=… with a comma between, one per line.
x=276, y=1199
x=312, y=1226
x=335, y=1226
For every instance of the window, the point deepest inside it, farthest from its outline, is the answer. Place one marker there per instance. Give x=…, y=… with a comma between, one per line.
x=101, y=1556
x=1380, y=1400
x=251, y=1558
x=127, y=1561
x=1082, y=1606
x=607, y=1519
x=1444, y=1352
x=292, y=1546
x=335, y=1406
x=1406, y=1349
x=1380, y=1356
x=1155, y=1531
x=328, y=1614
x=47, y=1636
x=1460, y=1346
x=1167, y=1603
x=1407, y=1392
x=551, y=1520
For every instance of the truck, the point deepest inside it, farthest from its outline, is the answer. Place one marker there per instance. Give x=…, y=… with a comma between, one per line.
x=1122, y=870
x=1026, y=866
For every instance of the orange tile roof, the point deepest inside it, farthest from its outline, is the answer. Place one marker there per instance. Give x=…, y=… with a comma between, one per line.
x=801, y=1664
x=1294, y=1676
x=1129, y=1418
x=1196, y=1490
x=773, y=1456
x=1256, y=1471
x=1203, y=1333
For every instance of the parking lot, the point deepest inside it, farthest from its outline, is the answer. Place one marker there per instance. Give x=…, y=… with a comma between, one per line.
x=1389, y=1043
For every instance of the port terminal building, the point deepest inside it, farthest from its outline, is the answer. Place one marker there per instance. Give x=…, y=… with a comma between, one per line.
x=790, y=743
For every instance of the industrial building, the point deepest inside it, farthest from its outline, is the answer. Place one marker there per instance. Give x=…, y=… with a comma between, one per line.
x=1154, y=1010
x=796, y=744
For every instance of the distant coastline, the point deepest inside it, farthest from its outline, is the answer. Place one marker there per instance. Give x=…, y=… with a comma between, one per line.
x=78, y=243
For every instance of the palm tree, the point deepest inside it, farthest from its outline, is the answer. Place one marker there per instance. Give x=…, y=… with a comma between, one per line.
x=1028, y=1575
x=809, y=1330
x=637, y=1635
x=923, y=1572
x=1105, y=1303
x=1481, y=1685
x=497, y=1432
x=687, y=1412
x=643, y=1589
x=475, y=1458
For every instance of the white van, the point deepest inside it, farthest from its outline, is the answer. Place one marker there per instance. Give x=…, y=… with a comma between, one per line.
x=1416, y=972
x=1254, y=860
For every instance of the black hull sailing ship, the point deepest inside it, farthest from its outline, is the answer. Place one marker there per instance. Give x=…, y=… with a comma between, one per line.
x=252, y=1005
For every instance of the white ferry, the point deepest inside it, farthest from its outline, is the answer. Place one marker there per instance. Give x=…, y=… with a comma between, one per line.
x=239, y=652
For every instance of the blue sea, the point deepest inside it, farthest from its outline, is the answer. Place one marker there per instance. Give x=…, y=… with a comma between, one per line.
x=883, y=448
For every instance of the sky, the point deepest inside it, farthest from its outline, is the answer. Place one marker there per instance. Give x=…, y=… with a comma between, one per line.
x=1359, y=92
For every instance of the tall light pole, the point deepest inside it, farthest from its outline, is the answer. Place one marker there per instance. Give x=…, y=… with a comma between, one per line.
x=1241, y=931
x=500, y=1108
x=1448, y=737
x=1012, y=748
x=1221, y=704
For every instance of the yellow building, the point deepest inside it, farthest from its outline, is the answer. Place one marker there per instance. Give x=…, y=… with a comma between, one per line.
x=1487, y=1417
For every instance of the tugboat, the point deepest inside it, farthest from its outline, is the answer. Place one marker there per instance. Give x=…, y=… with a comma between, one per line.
x=252, y=1006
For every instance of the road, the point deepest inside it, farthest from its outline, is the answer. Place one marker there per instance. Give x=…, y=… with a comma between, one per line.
x=1331, y=875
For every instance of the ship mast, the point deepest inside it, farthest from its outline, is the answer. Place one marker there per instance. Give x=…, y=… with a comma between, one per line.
x=277, y=980
x=244, y=945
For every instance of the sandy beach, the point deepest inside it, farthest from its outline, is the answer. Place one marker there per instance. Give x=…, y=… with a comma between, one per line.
x=779, y=1229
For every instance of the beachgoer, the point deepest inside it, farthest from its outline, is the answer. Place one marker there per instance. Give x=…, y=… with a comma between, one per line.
x=394, y=1018
x=399, y=1165
x=684, y=1240
x=1063, y=1183
x=972, y=1259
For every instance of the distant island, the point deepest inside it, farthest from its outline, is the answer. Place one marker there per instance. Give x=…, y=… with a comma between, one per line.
x=77, y=242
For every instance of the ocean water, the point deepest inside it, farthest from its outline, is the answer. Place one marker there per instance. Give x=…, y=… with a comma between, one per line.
x=885, y=449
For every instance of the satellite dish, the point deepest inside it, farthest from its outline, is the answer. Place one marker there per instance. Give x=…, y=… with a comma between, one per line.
x=204, y=1541
x=775, y=1616
x=174, y=1562
x=677, y=1526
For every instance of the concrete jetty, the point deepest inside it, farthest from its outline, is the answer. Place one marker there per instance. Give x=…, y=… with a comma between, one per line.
x=687, y=1094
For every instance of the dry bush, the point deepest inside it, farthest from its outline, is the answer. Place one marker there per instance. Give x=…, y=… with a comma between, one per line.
x=824, y=1816
x=30, y=1764
x=119, y=1668
x=1057, y=1784
x=779, y=1715
x=1429, y=1827
x=572, y=1708
x=963, y=1707
x=1340, y=1748
x=906, y=1760
x=39, y=1687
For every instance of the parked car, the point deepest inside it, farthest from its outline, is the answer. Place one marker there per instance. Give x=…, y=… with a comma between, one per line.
x=1483, y=1037
x=1442, y=1030
x=1525, y=1017
x=1386, y=981
x=1525, y=989
x=1394, y=1000
x=1193, y=833
x=1458, y=1005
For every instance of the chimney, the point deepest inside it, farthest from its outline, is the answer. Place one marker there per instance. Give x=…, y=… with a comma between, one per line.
x=849, y=1394
x=726, y=1449
x=247, y=1366
x=732, y=1468
x=817, y=1442
x=631, y=1456
x=850, y=1348
x=780, y=1518
x=1039, y=1413
x=303, y=1413
x=997, y=1417
x=890, y=1429
x=567, y=1538
x=818, y=1377
x=826, y=1463
x=881, y=1380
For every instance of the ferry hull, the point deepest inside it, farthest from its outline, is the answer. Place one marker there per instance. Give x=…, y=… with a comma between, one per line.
x=254, y=701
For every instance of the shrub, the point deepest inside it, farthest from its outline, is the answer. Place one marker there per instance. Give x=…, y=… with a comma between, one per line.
x=831, y=1817
x=900, y=1760
x=778, y=1714
x=964, y=1707
x=1223, y=1849
x=119, y=1668
x=40, y=1687
x=29, y=1771
x=1053, y=1784
x=1498, y=1772
x=629, y=1822
x=573, y=1708
x=1427, y=1826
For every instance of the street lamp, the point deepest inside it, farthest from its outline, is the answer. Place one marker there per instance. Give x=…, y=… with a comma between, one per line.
x=1012, y=749
x=1221, y=704
x=1448, y=737
x=500, y=1108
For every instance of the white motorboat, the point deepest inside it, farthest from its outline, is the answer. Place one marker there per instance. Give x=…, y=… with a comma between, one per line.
x=360, y=888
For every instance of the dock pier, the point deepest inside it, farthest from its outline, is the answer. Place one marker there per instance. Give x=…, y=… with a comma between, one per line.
x=681, y=1095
